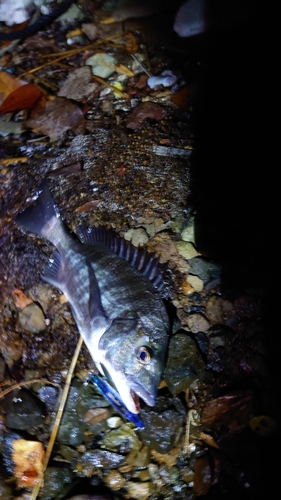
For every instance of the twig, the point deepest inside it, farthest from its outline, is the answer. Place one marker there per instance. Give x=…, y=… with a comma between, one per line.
x=27, y=382
x=58, y=418
x=11, y=161
x=115, y=89
x=68, y=53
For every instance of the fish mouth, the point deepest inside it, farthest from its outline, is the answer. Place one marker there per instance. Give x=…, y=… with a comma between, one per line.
x=130, y=391
x=140, y=392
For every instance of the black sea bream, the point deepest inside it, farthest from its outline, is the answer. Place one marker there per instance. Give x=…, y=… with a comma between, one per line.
x=111, y=288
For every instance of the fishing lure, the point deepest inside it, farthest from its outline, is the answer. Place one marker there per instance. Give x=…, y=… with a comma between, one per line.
x=113, y=397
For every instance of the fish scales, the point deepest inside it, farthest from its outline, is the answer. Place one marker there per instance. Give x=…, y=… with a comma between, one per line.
x=117, y=309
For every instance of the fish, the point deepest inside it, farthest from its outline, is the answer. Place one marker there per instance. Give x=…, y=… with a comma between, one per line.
x=113, y=290
x=113, y=397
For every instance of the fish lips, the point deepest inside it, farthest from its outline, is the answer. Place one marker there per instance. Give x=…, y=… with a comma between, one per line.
x=148, y=397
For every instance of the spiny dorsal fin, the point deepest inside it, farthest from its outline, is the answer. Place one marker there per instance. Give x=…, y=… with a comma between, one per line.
x=139, y=258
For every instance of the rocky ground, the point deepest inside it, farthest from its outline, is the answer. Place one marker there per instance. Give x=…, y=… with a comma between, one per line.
x=172, y=169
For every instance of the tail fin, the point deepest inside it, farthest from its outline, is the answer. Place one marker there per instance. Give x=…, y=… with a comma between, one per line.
x=35, y=217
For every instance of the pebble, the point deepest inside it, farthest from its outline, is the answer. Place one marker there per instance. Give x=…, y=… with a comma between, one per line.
x=23, y=410
x=218, y=310
x=114, y=422
x=188, y=234
x=115, y=480
x=95, y=415
x=139, y=458
x=186, y=249
x=103, y=65
x=184, y=364
x=32, y=319
x=197, y=322
x=144, y=475
x=138, y=237
x=141, y=491
x=196, y=283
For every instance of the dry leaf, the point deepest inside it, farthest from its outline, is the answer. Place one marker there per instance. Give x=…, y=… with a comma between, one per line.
x=21, y=300
x=23, y=97
x=144, y=110
x=8, y=84
x=58, y=116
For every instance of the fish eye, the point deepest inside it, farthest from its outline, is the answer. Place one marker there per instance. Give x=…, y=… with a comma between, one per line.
x=144, y=355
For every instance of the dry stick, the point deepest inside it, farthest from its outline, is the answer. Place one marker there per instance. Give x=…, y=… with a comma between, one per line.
x=72, y=52
x=115, y=89
x=53, y=436
x=27, y=382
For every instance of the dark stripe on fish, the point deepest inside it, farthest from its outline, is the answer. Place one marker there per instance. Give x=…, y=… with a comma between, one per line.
x=138, y=258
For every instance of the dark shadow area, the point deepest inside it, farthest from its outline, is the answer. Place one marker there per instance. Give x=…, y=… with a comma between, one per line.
x=232, y=192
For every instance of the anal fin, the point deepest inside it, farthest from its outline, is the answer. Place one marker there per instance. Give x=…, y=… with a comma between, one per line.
x=52, y=271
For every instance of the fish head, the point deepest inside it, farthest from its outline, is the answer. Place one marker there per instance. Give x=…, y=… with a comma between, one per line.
x=133, y=359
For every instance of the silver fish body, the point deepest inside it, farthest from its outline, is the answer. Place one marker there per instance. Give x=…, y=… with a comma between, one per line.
x=110, y=287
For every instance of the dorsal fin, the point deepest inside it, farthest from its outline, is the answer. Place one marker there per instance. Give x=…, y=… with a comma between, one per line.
x=139, y=258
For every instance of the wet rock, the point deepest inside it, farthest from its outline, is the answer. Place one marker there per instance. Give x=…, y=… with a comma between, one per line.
x=206, y=270
x=48, y=395
x=115, y=480
x=68, y=453
x=23, y=410
x=32, y=319
x=139, y=458
x=124, y=435
x=197, y=322
x=55, y=480
x=73, y=429
x=100, y=459
x=96, y=415
x=184, y=364
x=186, y=249
x=141, y=491
x=163, y=424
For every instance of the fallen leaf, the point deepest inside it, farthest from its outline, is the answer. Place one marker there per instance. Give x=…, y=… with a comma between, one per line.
x=24, y=97
x=208, y=439
x=21, y=300
x=8, y=84
x=142, y=112
x=79, y=85
x=230, y=411
x=58, y=116
x=205, y=475
x=87, y=207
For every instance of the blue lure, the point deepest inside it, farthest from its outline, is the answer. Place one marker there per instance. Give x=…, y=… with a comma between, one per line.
x=113, y=397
